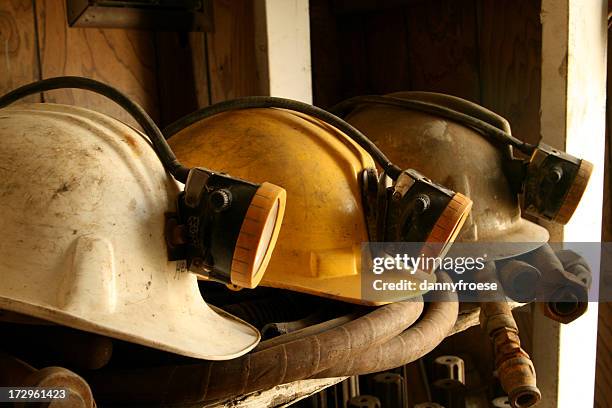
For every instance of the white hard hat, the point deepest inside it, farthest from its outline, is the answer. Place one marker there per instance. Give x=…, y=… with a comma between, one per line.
x=83, y=200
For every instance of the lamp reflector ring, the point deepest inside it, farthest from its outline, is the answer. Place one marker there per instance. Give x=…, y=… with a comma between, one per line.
x=448, y=226
x=258, y=235
x=574, y=195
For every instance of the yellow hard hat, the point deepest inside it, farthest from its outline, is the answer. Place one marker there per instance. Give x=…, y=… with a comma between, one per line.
x=326, y=175
x=318, y=249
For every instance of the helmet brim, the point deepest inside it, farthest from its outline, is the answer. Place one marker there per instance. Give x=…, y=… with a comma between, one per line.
x=189, y=336
x=525, y=236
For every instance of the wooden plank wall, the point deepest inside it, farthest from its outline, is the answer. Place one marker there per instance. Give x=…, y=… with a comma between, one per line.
x=486, y=51
x=122, y=58
x=510, y=41
x=231, y=53
x=169, y=73
x=18, y=45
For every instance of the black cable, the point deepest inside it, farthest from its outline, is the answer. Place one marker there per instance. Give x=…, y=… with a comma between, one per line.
x=165, y=154
x=498, y=134
x=459, y=104
x=253, y=102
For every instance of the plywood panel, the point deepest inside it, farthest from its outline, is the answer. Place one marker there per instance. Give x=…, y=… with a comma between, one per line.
x=122, y=58
x=326, y=74
x=178, y=66
x=387, y=55
x=510, y=59
x=199, y=62
x=18, y=60
x=354, y=65
x=231, y=53
x=442, y=46
x=415, y=45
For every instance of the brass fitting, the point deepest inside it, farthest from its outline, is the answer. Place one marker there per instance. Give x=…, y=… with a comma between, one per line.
x=515, y=370
x=565, y=292
x=513, y=365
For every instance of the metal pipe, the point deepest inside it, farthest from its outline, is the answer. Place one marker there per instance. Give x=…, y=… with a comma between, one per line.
x=514, y=368
x=519, y=280
x=563, y=295
x=576, y=265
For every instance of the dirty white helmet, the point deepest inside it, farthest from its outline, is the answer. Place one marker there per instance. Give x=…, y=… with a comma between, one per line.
x=83, y=201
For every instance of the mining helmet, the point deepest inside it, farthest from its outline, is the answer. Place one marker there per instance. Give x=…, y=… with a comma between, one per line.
x=455, y=154
x=84, y=200
x=224, y=228
x=335, y=195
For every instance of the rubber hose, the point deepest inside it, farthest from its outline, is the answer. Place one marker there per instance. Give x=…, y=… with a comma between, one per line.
x=276, y=308
x=414, y=343
x=161, y=147
x=307, y=331
x=561, y=294
x=497, y=134
x=283, y=363
x=460, y=105
x=255, y=102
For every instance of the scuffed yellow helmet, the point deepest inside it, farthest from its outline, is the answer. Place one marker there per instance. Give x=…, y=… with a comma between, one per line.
x=318, y=249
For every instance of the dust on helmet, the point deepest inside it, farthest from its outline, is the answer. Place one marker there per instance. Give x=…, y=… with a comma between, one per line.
x=83, y=200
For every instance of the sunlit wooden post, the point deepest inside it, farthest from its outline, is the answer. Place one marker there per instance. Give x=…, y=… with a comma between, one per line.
x=573, y=106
